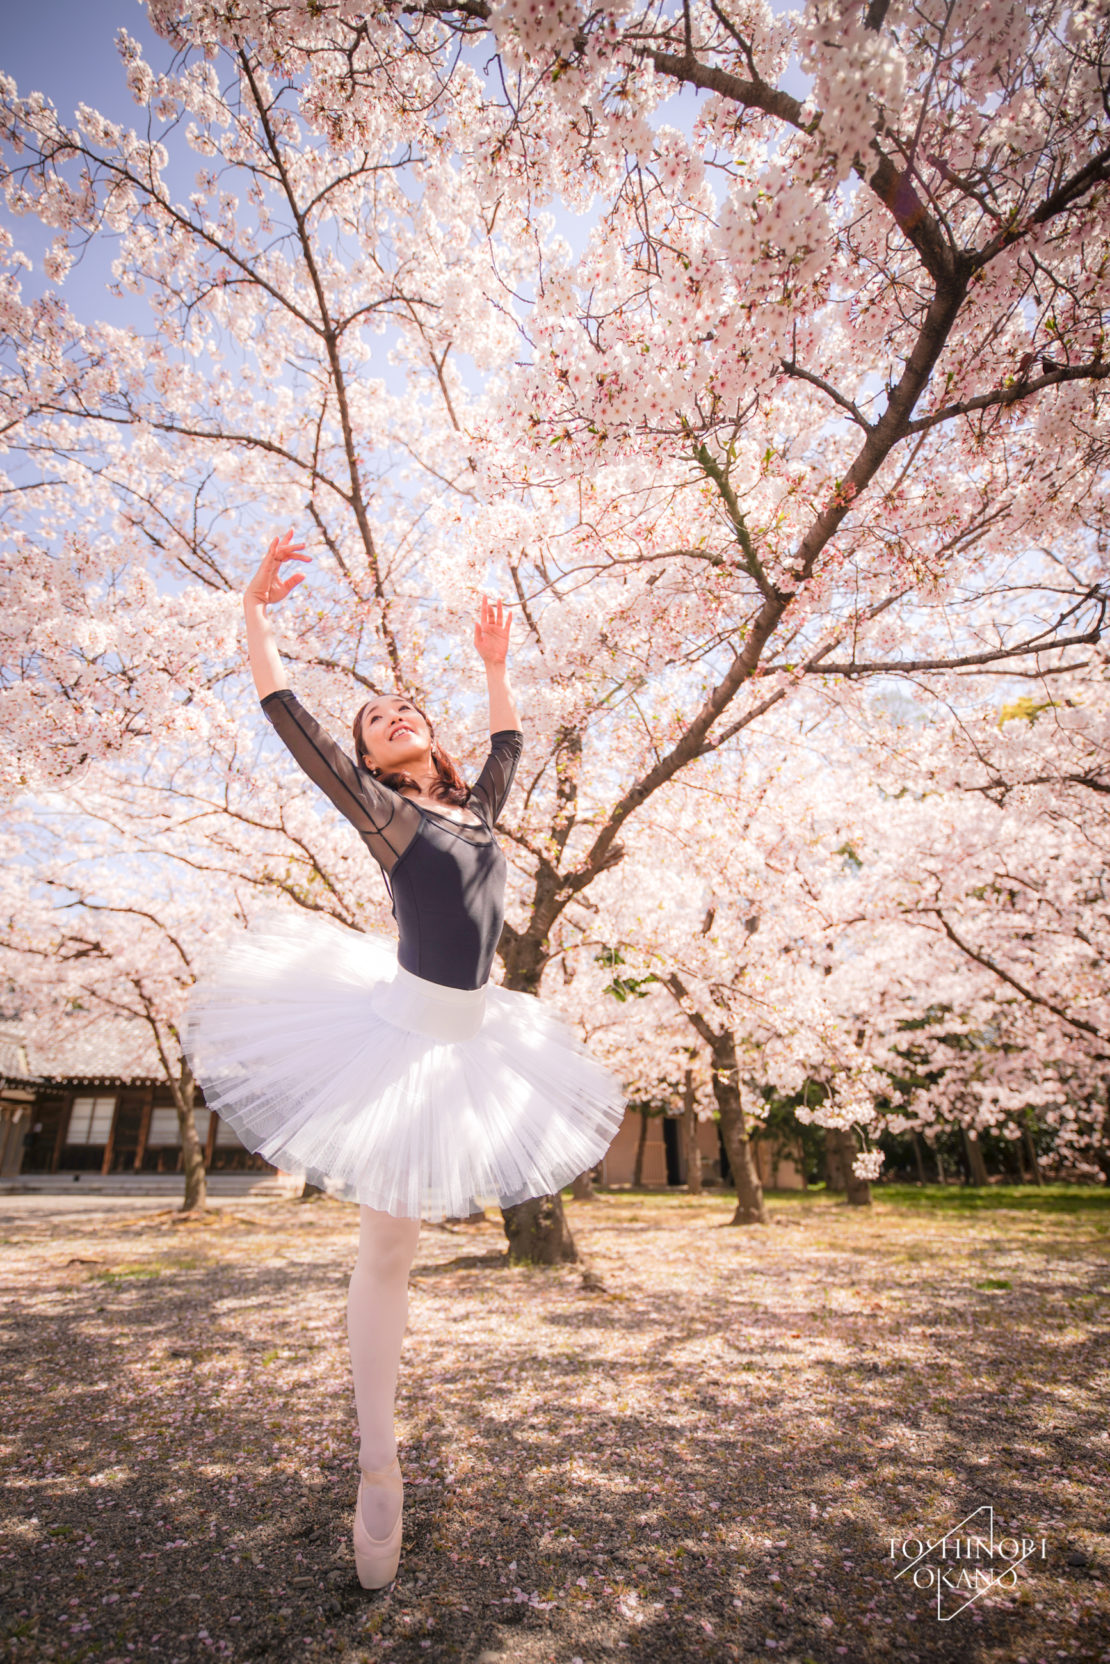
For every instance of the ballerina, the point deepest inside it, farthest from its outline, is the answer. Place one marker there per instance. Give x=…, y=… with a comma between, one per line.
x=396, y=1073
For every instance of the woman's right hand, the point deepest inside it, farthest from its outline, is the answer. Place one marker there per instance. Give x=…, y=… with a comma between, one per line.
x=267, y=587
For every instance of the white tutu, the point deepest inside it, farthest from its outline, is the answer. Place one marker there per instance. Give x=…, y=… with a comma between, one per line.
x=329, y=1059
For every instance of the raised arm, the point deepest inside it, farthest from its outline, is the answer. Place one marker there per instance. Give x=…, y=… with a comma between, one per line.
x=491, y=638
x=385, y=821
x=265, y=590
x=492, y=786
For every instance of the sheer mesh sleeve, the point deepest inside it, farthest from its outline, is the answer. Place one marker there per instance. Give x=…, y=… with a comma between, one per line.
x=383, y=819
x=492, y=786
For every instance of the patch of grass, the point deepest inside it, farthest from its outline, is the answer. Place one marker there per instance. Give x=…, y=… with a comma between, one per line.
x=814, y=1196
x=1031, y=1198
x=678, y=1198
x=1077, y=1199
x=128, y=1273
x=994, y=1282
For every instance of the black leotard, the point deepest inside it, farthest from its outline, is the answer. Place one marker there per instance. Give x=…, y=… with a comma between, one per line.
x=447, y=880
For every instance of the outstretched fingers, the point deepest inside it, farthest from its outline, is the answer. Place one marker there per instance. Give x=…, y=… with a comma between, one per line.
x=495, y=617
x=268, y=586
x=283, y=548
x=491, y=631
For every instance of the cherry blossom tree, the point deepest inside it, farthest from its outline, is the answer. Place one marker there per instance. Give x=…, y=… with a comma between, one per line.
x=83, y=948
x=821, y=399
x=994, y=852
x=915, y=951
x=732, y=901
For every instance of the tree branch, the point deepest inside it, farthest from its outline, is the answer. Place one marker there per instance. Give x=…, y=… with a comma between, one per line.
x=675, y=986
x=893, y=188
x=330, y=335
x=1012, y=981
x=1095, y=371
x=791, y=368
x=903, y=667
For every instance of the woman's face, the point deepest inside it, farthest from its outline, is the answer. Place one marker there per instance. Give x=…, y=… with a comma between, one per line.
x=394, y=734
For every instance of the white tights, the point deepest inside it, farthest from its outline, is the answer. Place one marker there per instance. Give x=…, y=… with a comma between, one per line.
x=377, y=1310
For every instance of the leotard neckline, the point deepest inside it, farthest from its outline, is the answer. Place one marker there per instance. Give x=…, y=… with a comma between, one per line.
x=476, y=825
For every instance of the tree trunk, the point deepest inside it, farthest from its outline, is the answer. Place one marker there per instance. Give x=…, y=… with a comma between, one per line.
x=750, y=1209
x=582, y=1188
x=835, y=1178
x=690, y=1136
x=975, y=1162
x=918, y=1158
x=192, y=1151
x=1031, y=1155
x=1102, y=1152
x=859, y=1190
x=538, y=1232
x=840, y=1152
x=941, y=1176
x=641, y=1146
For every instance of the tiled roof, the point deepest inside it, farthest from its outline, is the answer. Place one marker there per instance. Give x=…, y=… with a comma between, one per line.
x=81, y=1048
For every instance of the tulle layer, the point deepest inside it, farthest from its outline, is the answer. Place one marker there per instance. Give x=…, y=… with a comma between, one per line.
x=329, y=1059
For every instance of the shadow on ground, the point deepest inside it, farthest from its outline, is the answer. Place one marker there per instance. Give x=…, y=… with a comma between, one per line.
x=700, y=1450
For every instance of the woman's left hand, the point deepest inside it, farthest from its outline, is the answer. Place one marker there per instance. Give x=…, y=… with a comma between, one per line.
x=491, y=632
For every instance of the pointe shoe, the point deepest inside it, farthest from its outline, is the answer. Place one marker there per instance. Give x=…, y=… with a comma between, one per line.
x=377, y=1558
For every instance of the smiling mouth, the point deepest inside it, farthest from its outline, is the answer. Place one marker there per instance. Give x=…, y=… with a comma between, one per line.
x=403, y=729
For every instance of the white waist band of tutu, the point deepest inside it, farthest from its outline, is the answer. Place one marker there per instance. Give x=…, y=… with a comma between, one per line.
x=430, y=1008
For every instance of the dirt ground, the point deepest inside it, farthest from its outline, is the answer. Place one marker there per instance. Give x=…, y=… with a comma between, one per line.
x=701, y=1443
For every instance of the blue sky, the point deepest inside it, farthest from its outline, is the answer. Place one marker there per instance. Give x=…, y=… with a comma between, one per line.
x=66, y=49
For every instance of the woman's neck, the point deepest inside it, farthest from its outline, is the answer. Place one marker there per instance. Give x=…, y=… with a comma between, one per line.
x=426, y=777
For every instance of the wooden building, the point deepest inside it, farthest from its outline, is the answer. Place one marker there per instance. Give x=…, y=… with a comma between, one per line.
x=100, y=1122
x=109, y=1120
x=664, y=1157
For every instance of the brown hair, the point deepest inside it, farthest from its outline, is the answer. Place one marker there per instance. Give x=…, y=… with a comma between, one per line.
x=450, y=787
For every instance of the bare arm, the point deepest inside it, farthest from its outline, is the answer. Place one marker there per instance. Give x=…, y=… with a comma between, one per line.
x=491, y=638
x=502, y=710
x=265, y=590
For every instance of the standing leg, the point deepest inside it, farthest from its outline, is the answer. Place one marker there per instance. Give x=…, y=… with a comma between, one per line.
x=377, y=1310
